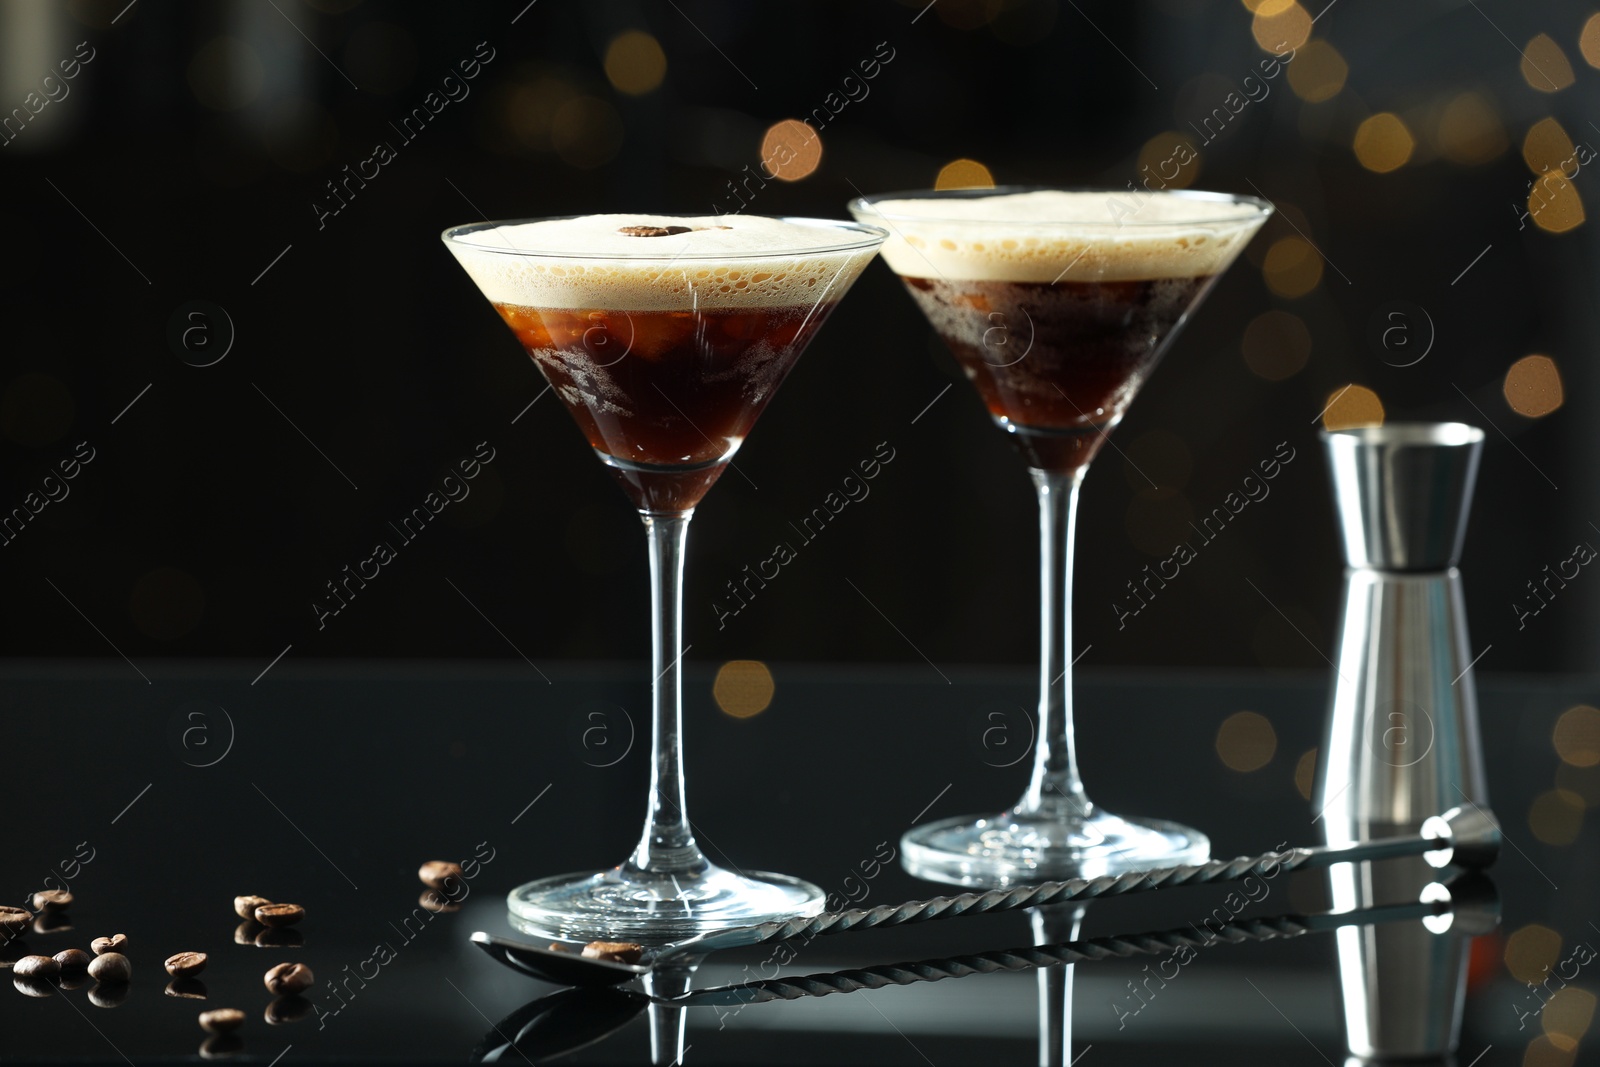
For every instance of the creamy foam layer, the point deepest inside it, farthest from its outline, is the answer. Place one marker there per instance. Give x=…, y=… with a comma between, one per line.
x=1049, y=235
x=721, y=262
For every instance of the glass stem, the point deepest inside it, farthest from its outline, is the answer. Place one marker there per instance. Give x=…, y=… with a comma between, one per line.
x=1056, y=791
x=668, y=845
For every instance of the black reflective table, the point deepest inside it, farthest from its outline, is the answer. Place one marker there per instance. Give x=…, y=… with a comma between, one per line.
x=328, y=785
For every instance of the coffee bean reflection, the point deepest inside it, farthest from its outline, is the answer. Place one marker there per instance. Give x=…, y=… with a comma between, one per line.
x=279, y=938
x=437, y=902
x=245, y=933
x=33, y=987
x=285, y=1010
x=187, y=988
x=218, y=1046
x=52, y=922
x=108, y=995
x=72, y=980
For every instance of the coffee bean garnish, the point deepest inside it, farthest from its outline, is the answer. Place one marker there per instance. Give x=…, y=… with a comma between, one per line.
x=435, y=873
x=110, y=968
x=613, y=951
x=185, y=964
x=276, y=915
x=287, y=1010
x=114, y=943
x=652, y=231
x=221, y=1020
x=187, y=989
x=14, y=920
x=245, y=907
x=36, y=967
x=51, y=900
x=74, y=959
x=287, y=979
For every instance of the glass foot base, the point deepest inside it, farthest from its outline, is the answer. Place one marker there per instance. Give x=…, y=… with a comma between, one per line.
x=635, y=905
x=1010, y=848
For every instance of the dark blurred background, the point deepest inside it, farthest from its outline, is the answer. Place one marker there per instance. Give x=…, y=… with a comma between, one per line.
x=189, y=158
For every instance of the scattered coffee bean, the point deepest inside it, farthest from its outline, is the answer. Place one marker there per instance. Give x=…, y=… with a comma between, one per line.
x=559, y=946
x=652, y=231
x=245, y=907
x=221, y=1020
x=287, y=1010
x=36, y=967
x=114, y=943
x=434, y=872
x=221, y=1046
x=613, y=951
x=437, y=902
x=279, y=914
x=14, y=920
x=33, y=987
x=108, y=994
x=283, y=938
x=73, y=959
x=185, y=964
x=187, y=988
x=110, y=968
x=51, y=900
x=287, y=979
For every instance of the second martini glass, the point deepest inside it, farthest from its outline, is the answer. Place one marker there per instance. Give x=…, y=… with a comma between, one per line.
x=1057, y=304
x=665, y=337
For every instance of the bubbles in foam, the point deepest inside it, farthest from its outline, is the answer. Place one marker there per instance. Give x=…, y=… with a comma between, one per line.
x=725, y=261
x=1052, y=235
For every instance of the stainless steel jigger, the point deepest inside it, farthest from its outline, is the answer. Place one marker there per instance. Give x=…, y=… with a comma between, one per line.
x=1402, y=740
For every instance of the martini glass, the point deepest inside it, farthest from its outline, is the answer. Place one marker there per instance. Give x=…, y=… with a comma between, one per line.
x=1057, y=304
x=665, y=337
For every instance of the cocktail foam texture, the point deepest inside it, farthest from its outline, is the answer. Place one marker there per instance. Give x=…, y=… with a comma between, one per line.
x=1055, y=235
x=723, y=262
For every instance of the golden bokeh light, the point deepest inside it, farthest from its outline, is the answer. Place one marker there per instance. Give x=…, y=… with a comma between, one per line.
x=635, y=63
x=1318, y=72
x=1266, y=7
x=1276, y=345
x=1554, y=205
x=1292, y=267
x=1577, y=736
x=1279, y=26
x=1546, y=146
x=1383, y=142
x=743, y=688
x=1305, y=773
x=964, y=174
x=1545, y=66
x=1352, y=406
x=1246, y=741
x=791, y=150
x=1589, y=40
x=1543, y=1052
x=1567, y=1015
x=1470, y=131
x=1169, y=160
x=1556, y=817
x=1531, y=951
x=1533, y=386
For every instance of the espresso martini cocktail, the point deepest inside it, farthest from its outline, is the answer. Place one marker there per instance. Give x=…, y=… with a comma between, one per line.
x=665, y=337
x=1057, y=305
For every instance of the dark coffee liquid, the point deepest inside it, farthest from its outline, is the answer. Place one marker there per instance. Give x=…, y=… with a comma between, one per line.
x=1057, y=363
x=666, y=397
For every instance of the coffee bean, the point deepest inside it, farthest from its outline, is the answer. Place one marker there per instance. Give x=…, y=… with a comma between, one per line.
x=220, y=1046
x=287, y=1010
x=51, y=900
x=108, y=994
x=33, y=987
x=110, y=968
x=287, y=979
x=437, y=902
x=435, y=872
x=185, y=964
x=279, y=914
x=282, y=938
x=187, y=988
x=36, y=967
x=73, y=959
x=114, y=943
x=245, y=907
x=221, y=1020
x=14, y=920
x=613, y=951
